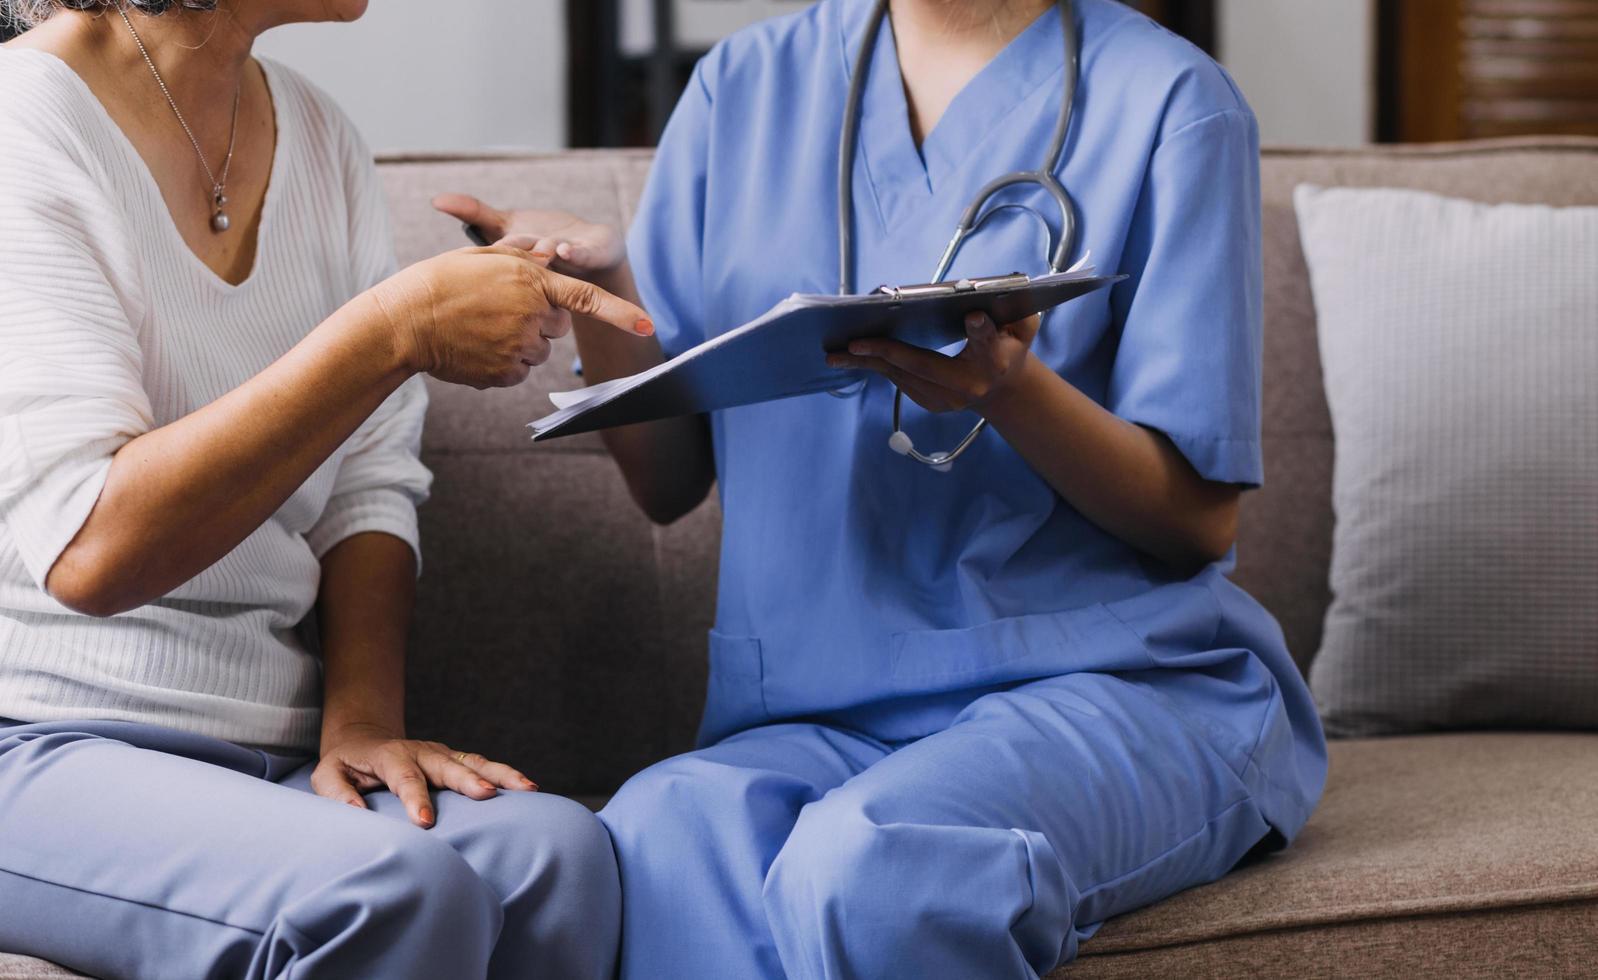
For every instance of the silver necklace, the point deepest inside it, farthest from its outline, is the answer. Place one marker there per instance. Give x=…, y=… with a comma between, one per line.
x=219, y=218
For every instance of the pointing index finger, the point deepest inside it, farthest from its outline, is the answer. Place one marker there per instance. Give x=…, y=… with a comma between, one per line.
x=589, y=300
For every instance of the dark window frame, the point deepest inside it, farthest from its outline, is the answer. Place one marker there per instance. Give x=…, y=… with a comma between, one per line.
x=619, y=100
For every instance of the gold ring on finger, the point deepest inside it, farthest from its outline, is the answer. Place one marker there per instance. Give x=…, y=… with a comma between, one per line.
x=460, y=757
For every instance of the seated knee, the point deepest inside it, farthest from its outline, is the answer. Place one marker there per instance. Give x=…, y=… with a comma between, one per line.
x=419, y=875
x=834, y=857
x=400, y=888
x=664, y=800
x=552, y=836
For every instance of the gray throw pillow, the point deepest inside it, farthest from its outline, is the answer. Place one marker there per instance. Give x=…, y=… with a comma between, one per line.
x=1460, y=347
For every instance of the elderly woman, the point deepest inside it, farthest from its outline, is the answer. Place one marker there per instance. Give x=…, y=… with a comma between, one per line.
x=209, y=418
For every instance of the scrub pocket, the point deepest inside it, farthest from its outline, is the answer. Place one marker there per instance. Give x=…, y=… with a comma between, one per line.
x=735, y=699
x=1016, y=649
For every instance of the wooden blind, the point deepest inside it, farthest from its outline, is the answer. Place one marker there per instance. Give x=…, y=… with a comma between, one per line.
x=1459, y=69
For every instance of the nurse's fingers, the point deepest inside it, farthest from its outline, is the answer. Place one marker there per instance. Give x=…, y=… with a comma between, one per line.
x=933, y=399
x=923, y=393
x=979, y=329
x=919, y=361
x=529, y=245
x=583, y=255
x=1024, y=330
x=491, y=221
x=547, y=246
x=986, y=345
x=940, y=369
x=330, y=780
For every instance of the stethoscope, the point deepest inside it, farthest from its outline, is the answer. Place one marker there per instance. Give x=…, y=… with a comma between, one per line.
x=974, y=215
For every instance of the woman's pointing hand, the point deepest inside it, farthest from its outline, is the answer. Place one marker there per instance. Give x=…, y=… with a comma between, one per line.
x=485, y=316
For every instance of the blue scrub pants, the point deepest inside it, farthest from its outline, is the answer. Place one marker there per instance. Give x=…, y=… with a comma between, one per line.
x=133, y=851
x=989, y=849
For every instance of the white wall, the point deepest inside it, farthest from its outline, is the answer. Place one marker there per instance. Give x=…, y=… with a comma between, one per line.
x=699, y=23
x=1306, y=66
x=428, y=76
x=475, y=74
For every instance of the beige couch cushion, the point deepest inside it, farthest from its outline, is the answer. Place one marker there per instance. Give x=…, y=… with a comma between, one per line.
x=13, y=967
x=1470, y=855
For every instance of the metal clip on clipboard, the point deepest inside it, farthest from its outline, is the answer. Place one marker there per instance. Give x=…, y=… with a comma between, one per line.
x=958, y=286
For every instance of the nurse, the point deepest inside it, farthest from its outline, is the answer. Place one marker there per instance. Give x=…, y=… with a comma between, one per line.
x=956, y=720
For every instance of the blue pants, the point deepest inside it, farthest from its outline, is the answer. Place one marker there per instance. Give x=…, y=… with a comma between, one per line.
x=133, y=851
x=989, y=849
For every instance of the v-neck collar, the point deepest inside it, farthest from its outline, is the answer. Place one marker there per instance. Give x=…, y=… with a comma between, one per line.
x=161, y=212
x=904, y=176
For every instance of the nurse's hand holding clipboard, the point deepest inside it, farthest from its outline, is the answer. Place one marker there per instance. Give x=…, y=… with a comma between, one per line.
x=976, y=378
x=1128, y=479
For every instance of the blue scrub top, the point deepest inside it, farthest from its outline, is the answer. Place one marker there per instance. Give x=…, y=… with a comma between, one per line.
x=861, y=587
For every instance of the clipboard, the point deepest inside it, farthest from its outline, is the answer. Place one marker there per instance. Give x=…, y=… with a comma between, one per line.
x=782, y=353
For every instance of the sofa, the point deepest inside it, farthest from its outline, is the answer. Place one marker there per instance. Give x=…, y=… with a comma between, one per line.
x=557, y=628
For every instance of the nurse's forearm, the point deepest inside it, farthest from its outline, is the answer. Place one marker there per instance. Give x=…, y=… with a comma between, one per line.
x=668, y=464
x=1127, y=479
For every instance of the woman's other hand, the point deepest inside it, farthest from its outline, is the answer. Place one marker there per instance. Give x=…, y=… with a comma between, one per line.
x=485, y=316
x=980, y=373
x=363, y=758
x=582, y=248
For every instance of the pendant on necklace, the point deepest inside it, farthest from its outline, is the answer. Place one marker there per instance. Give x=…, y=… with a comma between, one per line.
x=219, y=218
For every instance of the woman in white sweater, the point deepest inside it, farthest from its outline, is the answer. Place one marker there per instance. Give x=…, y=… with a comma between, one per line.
x=209, y=420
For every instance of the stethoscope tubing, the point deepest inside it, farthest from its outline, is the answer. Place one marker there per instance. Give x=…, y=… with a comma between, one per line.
x=975, y=213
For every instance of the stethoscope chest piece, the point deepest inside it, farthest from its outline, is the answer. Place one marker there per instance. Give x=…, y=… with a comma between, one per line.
x=901, y=443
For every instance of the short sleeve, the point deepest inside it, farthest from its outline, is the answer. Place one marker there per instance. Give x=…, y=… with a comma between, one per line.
x=1188, y=361
x=666, y=241
x=381, y=479
x=71, y=365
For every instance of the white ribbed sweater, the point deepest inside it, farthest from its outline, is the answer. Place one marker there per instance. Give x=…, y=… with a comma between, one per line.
x=110, y=327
